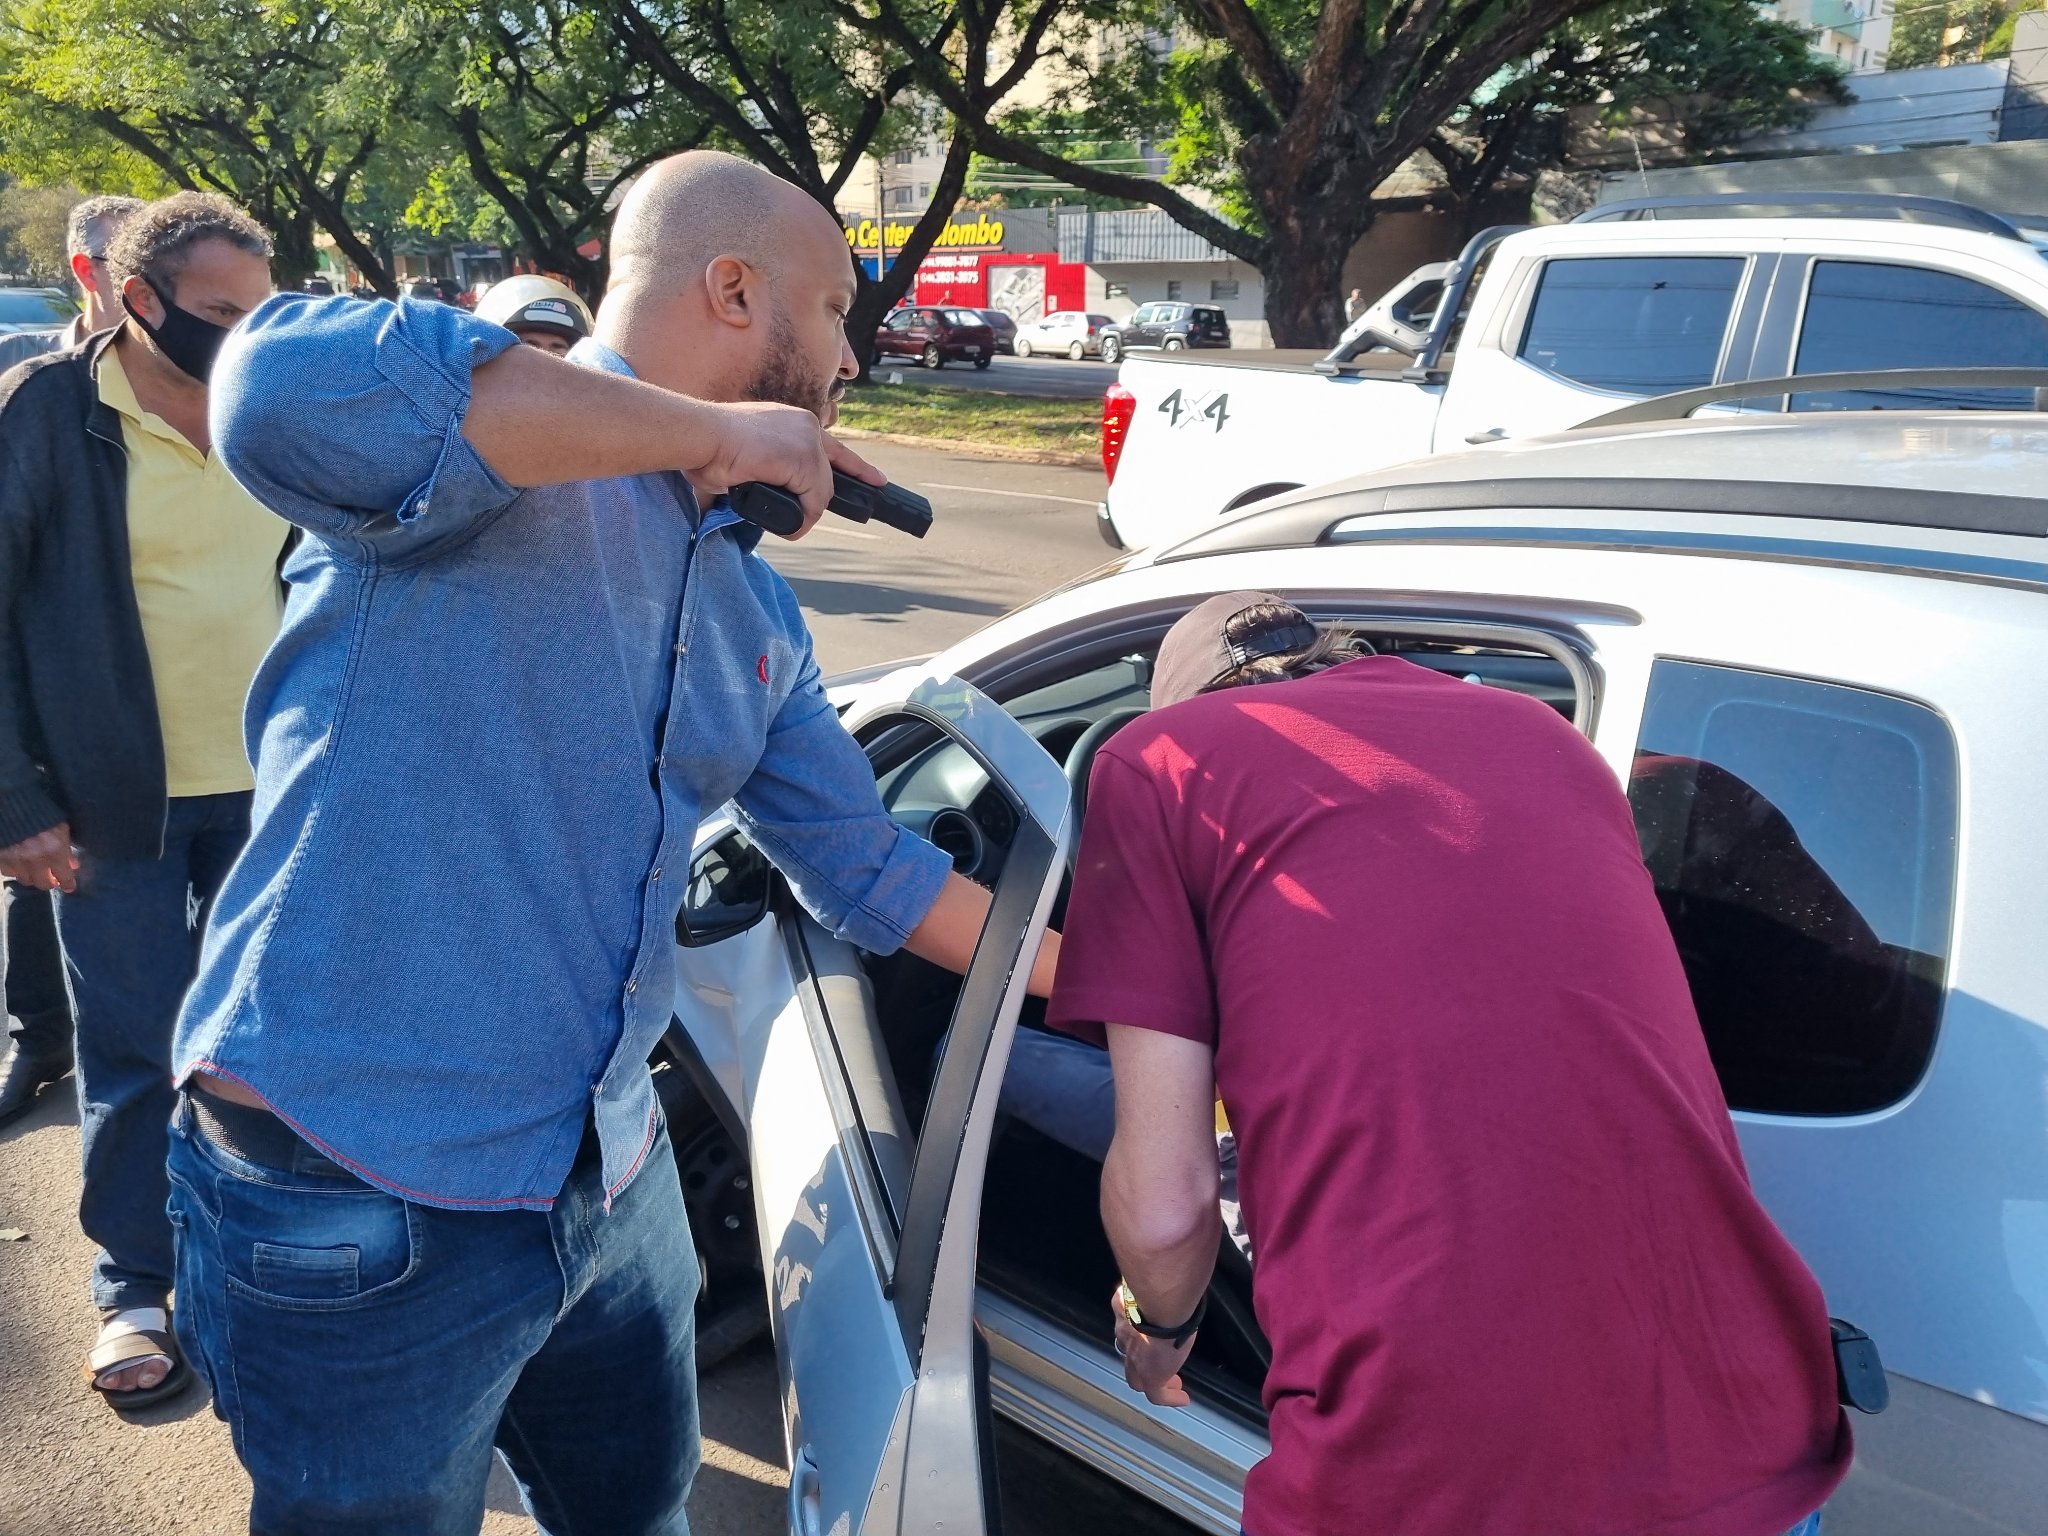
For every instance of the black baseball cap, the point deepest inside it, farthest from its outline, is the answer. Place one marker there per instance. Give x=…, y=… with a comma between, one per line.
x=1220, y=636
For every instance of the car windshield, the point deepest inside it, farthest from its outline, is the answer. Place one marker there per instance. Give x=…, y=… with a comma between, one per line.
x=31, y=308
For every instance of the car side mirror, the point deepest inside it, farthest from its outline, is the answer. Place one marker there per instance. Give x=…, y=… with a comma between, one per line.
x=728, y=892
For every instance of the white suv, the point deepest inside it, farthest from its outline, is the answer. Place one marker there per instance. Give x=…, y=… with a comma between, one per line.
x=1811, y=646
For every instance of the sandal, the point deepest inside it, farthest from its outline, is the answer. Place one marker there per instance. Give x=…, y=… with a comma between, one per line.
x=134, y=1344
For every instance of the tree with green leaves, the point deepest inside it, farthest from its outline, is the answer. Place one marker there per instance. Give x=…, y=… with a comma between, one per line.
x=281, y=109
x=1289, y=112
x=1955, y=32
x=1711, y=71
x=542, y=121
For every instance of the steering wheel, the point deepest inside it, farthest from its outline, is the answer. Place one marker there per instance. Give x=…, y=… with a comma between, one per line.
x=1082, y=758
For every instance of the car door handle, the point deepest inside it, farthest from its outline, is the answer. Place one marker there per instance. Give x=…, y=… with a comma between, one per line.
x=1490, y=435
x=806, y=1496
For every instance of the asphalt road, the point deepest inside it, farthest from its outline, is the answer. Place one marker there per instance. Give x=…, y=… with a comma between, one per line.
x=69, y=1467
x=1040, y=375
x=1001, y=534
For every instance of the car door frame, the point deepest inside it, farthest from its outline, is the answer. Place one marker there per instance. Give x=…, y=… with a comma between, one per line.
x=895, y=1274
x=1782, y=323
x=1492, y=366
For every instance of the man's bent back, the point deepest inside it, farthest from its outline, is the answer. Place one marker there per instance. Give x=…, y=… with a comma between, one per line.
x=1508, y=1258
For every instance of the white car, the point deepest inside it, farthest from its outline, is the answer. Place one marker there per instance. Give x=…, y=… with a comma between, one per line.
x=1067, y=332
x=1537, y=330
x=1812, y=646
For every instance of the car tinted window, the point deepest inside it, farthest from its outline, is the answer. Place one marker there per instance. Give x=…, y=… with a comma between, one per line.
x=1640, y=325
x=965, y=317
x=1869, y=314
x=29, y=308
x=1802, y=840
x=1100, y=320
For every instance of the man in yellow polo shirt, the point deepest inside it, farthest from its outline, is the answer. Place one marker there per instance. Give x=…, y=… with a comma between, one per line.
x=140, y=585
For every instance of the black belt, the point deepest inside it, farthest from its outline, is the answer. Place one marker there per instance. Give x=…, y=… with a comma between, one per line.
x=254, y=1135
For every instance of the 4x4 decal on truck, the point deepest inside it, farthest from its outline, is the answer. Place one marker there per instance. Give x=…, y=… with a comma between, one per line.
x=1187, y=412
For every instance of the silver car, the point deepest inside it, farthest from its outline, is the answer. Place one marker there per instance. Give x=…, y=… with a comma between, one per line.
x=1067, y=332
x=1832, y=626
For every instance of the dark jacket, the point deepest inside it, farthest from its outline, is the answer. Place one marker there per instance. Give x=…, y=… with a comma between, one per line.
x=79, y=735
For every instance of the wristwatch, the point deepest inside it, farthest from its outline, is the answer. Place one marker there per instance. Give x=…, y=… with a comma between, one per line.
x=1174, y=1336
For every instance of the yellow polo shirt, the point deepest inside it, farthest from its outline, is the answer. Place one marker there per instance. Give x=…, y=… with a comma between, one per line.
x=203, y=552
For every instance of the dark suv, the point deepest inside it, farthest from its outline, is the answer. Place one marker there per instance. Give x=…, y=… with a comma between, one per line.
x=1167, y=328
x=936, y=337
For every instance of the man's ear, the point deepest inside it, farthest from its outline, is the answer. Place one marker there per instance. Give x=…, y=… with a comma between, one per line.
x=81, y=268
x=733, y=289
x=143, y=300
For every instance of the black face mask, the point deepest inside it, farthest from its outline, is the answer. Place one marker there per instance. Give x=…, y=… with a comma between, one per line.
x=188, y=341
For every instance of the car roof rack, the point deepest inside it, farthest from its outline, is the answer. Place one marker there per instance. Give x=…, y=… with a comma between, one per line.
x=1678, y=406
x=1901, y=206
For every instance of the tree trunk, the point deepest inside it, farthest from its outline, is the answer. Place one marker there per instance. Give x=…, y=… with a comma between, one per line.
x=1315, y=196
x=293, y=256
x=1304, y=274
x=873, y=300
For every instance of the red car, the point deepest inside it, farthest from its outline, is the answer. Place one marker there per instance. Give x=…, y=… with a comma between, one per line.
x=936, y=337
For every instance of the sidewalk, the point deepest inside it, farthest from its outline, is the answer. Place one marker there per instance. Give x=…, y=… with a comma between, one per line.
x=70, y=1467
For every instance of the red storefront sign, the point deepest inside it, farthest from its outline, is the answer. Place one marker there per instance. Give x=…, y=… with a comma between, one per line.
x=1023, y=284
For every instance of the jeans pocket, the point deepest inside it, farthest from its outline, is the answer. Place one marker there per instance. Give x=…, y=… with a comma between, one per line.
x=307, y=1274
x=316, y=1250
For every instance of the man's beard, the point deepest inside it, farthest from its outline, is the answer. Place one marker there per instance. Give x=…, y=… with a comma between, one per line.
x=785, y=375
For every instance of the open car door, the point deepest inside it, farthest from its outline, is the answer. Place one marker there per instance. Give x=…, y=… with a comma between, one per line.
x=868, y=1223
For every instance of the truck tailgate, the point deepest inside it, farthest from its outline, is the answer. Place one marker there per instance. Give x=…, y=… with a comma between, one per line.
x=1209, y=435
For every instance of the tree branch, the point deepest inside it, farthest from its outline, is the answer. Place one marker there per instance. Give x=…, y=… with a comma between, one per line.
x=1239, y=26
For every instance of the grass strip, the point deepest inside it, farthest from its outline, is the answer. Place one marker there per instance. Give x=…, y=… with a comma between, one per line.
x=975, y=416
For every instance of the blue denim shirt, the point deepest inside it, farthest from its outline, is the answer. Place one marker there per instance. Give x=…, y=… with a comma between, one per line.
x=486, y=735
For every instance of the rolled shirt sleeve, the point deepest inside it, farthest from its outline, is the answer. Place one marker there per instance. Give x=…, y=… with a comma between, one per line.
x=812, y=807
x=345, y=418
x=1131, y=951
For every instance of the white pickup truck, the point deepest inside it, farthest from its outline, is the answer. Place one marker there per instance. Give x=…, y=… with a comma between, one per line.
x=1532, y=331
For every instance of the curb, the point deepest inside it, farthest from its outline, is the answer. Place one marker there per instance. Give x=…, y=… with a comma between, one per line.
x=976, y=450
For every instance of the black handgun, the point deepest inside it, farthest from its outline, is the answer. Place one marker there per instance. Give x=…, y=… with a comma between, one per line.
x=777, y=511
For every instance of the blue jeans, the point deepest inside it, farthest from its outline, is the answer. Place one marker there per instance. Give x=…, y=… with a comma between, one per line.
x=130, y=934
x=367, y=1353
x=36, y=994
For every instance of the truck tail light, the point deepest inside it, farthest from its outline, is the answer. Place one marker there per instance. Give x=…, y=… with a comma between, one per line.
x=1119, y=409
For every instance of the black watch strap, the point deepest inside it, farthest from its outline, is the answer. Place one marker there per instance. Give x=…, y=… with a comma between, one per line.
x=1177, y=1336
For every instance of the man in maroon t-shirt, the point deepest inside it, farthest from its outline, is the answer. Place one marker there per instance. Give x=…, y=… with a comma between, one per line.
x=1514, y=1278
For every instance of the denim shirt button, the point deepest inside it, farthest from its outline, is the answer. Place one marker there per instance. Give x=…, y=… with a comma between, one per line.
x=682, y=649
x=633, y=986
x=657, y=873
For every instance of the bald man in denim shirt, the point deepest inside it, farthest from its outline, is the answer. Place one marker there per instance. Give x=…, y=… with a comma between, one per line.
x=425, y=1195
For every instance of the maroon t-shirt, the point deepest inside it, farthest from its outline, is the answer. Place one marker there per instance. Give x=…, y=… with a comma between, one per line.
x=1506, y=1251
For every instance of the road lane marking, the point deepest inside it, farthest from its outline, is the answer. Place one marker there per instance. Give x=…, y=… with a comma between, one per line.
x=847, y=533
x=982, y=490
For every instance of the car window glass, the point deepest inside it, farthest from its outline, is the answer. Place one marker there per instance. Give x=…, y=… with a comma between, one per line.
x=1869, y=314
x=965, y=317
x=1802, y=840
x=28, y=308
x=900, y=321
x=1639, y=325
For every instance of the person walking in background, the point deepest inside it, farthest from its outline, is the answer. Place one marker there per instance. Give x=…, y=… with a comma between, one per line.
x=1354, y=306
x=91, y=226
x=1509, y=1260
x=36, y=995
x=139, y=587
